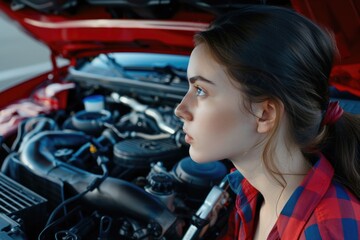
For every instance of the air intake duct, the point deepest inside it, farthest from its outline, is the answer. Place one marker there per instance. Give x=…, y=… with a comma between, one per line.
x=114, y=196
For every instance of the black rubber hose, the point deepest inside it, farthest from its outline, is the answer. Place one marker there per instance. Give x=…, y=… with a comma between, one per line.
x=114, y=196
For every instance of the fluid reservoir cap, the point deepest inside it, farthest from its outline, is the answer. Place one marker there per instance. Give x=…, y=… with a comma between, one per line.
x=94, y=103
x=200, y=174
x=160, y=183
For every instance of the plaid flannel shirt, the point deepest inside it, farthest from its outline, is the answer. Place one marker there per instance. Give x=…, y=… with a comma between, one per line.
x=320, y=208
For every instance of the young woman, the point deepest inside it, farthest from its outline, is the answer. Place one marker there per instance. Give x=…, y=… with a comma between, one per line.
x=258, y=96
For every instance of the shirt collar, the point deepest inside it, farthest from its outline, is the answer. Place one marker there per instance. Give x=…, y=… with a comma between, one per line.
x=235, y=178
x=240, y=185
x=294, y=215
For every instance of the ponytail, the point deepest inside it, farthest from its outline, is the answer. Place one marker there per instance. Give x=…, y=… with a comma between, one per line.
x=341, y=146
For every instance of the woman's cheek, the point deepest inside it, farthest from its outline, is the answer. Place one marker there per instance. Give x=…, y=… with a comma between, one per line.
x=213, y=131
x=222, y=122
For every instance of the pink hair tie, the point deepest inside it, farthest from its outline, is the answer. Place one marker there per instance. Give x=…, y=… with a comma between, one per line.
x=332, y=114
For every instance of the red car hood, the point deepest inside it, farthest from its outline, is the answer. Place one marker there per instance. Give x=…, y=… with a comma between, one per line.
x=93, y=30
x=342, y=17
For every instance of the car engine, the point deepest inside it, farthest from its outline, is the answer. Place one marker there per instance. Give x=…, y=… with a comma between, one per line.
x=105, y=160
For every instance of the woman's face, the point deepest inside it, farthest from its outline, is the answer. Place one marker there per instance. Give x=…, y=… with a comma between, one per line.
x=216, y=124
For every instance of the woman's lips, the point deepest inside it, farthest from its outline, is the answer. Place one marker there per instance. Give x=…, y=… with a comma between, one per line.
x=188, y=138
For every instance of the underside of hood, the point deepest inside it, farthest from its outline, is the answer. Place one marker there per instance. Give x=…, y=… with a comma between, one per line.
x=93, y=30
x=84, y=28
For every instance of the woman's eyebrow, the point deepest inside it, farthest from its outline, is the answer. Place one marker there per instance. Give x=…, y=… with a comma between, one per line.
x=192, y=80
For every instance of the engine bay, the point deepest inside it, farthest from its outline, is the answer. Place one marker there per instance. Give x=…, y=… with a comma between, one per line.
x=101, y=155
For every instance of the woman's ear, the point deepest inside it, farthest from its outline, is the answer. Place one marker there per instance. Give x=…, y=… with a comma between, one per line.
x=267, y=112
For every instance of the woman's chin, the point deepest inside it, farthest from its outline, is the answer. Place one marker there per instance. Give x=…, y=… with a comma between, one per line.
x=200, y=157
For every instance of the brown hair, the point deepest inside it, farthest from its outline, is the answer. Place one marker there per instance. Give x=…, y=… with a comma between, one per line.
x=275, y=53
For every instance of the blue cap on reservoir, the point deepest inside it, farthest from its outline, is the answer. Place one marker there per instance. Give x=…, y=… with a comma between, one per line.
x=94, y=103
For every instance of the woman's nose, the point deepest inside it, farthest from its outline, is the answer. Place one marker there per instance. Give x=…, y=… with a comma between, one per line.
x=182, y=111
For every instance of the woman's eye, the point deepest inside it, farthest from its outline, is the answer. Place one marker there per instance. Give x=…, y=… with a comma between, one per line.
x=199, y=91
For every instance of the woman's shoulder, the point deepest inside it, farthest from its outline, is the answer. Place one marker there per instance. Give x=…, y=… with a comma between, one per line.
x=337, y=215
x=338, y=203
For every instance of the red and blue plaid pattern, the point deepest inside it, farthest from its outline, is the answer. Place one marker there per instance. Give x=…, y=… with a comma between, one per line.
x=320, y=208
